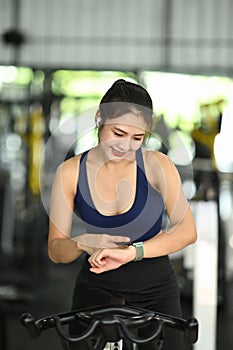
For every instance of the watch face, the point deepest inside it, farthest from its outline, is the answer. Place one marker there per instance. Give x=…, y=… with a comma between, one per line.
x=138, y=244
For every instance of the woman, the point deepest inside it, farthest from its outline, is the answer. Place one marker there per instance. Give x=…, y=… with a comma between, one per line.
x=120, y=190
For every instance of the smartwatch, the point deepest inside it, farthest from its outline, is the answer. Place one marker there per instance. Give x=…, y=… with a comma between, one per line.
x=139, y=251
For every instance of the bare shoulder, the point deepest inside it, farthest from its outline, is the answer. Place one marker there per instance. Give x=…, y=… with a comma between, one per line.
x=159, y=168
x=71, y=164
x=156, y=158
x=68, y=171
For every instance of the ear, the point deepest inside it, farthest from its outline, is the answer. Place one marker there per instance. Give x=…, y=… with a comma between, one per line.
x=98, y=119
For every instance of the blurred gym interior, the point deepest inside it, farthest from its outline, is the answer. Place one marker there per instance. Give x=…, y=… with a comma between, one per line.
x=56, y=60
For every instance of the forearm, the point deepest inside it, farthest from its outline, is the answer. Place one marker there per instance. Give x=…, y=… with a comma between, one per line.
x=63, y=250
x=170, y=241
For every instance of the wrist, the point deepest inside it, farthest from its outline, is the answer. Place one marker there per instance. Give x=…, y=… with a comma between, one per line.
x=132, y=252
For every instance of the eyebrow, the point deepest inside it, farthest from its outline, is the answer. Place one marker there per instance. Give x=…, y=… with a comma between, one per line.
x=124, y=132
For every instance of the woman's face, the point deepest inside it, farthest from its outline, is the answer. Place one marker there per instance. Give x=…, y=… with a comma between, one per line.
x=120, y=137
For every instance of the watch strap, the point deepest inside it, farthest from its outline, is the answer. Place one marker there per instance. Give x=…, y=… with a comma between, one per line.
x=139, y=251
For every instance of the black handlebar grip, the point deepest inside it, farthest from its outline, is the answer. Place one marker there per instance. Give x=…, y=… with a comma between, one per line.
x=29, y=323
x=192, y=330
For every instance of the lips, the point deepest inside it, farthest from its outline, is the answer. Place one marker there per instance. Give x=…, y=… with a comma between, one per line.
x=118, y=153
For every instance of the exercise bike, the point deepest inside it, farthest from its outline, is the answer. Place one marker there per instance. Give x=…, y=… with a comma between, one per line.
x=112, y=326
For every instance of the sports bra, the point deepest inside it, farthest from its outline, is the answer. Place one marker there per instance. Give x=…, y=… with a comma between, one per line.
x=141, y=222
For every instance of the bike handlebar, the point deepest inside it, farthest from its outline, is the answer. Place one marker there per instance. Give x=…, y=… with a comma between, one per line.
x=115, y=323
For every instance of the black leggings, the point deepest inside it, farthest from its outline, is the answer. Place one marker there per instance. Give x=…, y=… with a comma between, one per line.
x=168, y=303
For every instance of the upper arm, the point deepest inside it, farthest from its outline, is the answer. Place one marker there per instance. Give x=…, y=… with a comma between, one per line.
x=62, y=199
x=177, y=205
x=170, y=187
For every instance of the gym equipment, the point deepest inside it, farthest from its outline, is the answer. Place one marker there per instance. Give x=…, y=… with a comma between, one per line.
x=112, y=325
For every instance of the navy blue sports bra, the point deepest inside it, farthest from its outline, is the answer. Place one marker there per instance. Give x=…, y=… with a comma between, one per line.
x=141, y=222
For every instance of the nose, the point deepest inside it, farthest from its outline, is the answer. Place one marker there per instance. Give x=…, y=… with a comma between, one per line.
x=125, y=145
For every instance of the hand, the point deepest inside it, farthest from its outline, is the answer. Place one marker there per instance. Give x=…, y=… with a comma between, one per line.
x=91, y=242
x=109, y=259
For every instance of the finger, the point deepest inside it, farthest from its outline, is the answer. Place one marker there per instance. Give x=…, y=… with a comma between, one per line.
x=121, y=239
x=98, y=270
x=96, y=259
x=97, y=264
x=92, y=262
x=83, y=245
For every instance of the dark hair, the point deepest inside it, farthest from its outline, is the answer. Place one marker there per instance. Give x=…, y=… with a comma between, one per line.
x=126, y=97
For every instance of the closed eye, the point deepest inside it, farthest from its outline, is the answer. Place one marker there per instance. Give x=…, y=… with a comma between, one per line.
x=117, y=134
x=137, y=138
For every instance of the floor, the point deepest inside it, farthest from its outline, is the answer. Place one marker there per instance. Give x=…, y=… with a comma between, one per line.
x=53, y=296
